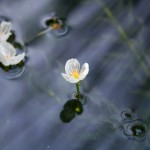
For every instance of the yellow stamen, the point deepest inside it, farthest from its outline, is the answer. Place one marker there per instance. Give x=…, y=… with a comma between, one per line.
x=8, y=57
x=56, y=26
x=75, y=74
x=1, y=34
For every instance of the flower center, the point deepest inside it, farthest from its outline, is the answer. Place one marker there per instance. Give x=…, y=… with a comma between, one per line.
x=75, y=74
x=8, y=57
x=56, y=26
x=1, y=34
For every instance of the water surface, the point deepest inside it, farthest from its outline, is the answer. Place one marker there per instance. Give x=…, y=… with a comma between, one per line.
x=113, y=37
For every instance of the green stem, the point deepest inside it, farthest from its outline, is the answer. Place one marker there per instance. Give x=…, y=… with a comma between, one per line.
x=78, y=90
x=43, y=32
x=39, y=34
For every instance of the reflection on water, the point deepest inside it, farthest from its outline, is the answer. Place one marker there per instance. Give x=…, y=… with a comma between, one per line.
x=70, y=110
x=113, y=37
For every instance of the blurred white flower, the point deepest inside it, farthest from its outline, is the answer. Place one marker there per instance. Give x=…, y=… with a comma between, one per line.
x=8, y=54
x=5, y=30
x=73, y=72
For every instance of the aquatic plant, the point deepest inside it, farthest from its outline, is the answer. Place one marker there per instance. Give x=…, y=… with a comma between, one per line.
x=5, y=30
x=74, y=74
x=8, y=54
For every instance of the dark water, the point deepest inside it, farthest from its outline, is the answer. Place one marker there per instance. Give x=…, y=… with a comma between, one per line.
x=113, y=37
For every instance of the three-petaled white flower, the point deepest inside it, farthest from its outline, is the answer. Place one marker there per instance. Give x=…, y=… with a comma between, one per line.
x=8, y=54
x=5, y=30
x=73, y=72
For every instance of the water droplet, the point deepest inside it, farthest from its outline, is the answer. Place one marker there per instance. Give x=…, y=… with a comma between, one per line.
x=136, y=130
x=82, y=98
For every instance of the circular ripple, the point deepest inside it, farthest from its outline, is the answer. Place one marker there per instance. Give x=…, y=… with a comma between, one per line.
x=135, y=130
x=60, y=32
x=48, y=21
x=127, y=116
x=82, y=98
x=12, y=72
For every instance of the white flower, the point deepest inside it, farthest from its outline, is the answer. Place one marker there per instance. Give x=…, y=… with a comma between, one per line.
x=73, y=72
x=8, y=54
x=5, y=30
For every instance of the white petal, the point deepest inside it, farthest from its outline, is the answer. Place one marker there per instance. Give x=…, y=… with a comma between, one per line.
x=84, y=71
x=7, y=48
x=16, y=59
x=5, y=30
x=71, y=65
x=3, y=60
x=69, y=78
x=3, y=50
x=4, y=37
x=5, y=27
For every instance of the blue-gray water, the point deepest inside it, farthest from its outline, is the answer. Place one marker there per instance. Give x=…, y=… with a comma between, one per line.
x=113, y=37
